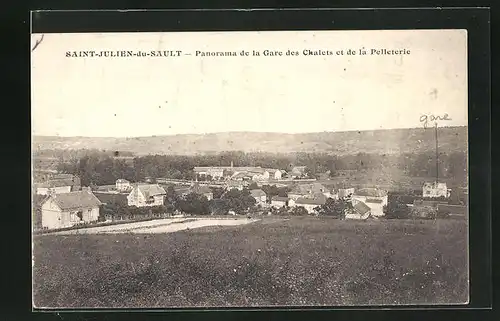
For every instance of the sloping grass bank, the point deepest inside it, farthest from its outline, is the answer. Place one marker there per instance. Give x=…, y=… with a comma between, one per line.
x=300, y=261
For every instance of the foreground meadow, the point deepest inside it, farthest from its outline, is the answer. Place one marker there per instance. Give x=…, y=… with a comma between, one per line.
x=299, y=261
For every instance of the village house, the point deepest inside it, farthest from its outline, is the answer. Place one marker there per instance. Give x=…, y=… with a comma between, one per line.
x=201, y=190
x=360, y=211
x=122, y=185
x=310, y=204
x=69, y=209
x=435, y=190
x=274, y=174
x=146, y=195
x=279, y=201
x=260, y=196
x=374, y=198
x=309, y=191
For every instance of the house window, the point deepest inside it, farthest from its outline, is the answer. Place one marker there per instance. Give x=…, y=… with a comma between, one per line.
x=76, y=216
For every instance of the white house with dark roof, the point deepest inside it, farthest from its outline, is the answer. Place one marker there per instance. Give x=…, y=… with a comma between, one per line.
x=260, y=196
x=374, y=198
x=146, y=195
x=309, y=203
x=279, y=201
x=69, y=209
x=122, y=185
x=435, y=190
x=309, y=191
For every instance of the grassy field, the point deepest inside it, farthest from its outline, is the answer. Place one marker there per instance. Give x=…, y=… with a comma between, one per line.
x=299, y=261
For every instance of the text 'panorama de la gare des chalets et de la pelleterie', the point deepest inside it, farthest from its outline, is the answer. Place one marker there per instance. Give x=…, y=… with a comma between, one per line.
x=266, y=53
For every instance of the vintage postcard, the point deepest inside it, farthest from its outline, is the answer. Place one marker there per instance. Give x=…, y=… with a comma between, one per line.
x=250, y=169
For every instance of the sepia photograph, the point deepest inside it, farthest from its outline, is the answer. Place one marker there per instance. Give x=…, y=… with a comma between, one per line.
x=249, y=169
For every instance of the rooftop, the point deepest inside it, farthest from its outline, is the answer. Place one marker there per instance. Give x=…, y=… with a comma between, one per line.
x=257, y=193
x=75, y=200
x=279, y=199
x=310, y=201
x=361, y=208
x=372, y=192
x=150, y=190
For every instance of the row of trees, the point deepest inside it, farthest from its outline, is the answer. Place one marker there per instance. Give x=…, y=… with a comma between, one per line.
x=103, y=169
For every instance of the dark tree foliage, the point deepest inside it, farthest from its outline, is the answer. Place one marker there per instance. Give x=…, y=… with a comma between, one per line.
x=102, y=169
x=396, y=207
x=217, y=192
x=253, y=185
x=299, y=211
x=194, y=204
x=238, y=201
x=335, y=208
x=273, y=190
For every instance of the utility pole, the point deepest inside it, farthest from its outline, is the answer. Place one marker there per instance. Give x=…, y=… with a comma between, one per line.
x=437, y=153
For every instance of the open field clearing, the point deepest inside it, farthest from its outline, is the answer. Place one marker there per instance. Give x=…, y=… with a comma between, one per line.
x=299, y=261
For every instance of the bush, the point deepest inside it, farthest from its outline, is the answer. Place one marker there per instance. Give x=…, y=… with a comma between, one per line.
x=423, y=212
x=299, y=211
x=397, y=208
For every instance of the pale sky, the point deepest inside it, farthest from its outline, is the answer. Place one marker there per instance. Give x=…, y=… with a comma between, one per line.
x=144, y=96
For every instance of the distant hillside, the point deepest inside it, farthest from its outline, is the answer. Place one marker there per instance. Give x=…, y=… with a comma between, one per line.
x=392, y=141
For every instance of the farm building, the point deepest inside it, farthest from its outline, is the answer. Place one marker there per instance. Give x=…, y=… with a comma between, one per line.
x=146, y=195
x=360, y=211
x=256, y=173
x=260, y=196
x=69, y=209
x=309, y=203
x=122, y=185
x=279, y=201
x=435, y=190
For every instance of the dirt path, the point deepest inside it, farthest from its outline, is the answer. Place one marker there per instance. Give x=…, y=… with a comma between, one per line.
x=158, y=226
x=193, y=224
x=121, y=228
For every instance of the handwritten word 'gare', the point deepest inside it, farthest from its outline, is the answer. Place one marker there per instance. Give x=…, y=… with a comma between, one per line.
x=432, y=118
